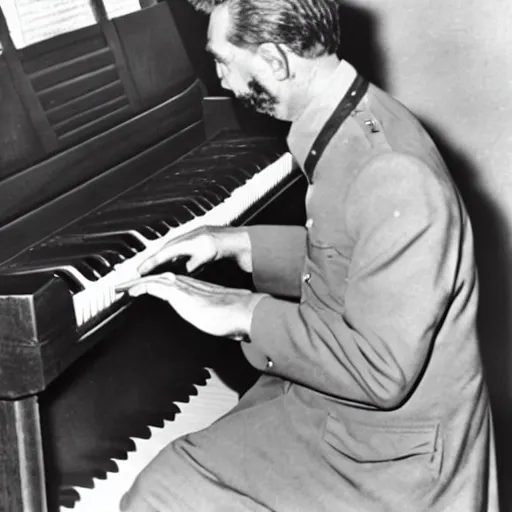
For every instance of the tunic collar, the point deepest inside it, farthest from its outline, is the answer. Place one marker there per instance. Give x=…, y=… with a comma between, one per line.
x=307, y=126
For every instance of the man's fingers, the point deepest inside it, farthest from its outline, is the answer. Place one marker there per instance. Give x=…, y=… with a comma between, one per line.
x=190, y=283
x=130, y=286
x=124, y=287
x=169, y=252
x=161, y=289
x=193, y=263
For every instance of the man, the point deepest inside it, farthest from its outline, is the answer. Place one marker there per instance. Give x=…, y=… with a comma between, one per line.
x=372, y=396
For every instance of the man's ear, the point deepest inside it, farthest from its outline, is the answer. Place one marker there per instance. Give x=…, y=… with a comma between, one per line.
x=276, y=58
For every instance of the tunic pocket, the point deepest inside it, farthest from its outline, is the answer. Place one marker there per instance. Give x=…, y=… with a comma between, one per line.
x=412, y=449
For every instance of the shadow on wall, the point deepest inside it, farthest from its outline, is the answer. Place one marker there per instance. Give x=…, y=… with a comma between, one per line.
x=359, y=43
x=495, y=328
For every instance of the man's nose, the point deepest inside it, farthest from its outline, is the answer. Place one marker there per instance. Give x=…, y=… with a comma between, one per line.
x=218, y=69
x=220, y=73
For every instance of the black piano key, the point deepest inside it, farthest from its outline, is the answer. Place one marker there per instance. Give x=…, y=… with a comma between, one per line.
x=161, y=227
x=139, y=217
x=228, y=182
x=182, y=183
x=91, y=267
x=74, y=286
x=157, y=205
x=79, y=480
x=85, y=259
x=121, y=246
x=102, y=257
x=171, y=221
x=121, y=225
x=99, y=264
x=107, y=466
x=181, y=215
x=223, y=185
x=183, y=178
x=207, y=199
x=149, y=232
x=126, y=243
x=211, y=173
x=198, y=206
x=71, y=244
x=247, y=162
x=147, y=219
x=68, y=497
x=79, y=265
x=111, y=256
x=136, y=243
x=59, y=269
x=83, y=267
x=149, y=210
x=145, y=229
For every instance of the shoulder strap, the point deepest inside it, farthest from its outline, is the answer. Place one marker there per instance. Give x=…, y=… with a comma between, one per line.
x=345, y=107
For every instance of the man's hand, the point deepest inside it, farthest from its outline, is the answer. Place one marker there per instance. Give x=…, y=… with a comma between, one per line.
x=204, y=245
x=211, y=308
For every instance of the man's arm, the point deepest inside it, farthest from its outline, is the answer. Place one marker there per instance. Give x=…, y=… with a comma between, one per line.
x=278, y=254
x=372, y=350
x=215, y=309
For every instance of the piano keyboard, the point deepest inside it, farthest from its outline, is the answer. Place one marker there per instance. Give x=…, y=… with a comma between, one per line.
x=99, y=295
x=95, y=289
x=212, y=401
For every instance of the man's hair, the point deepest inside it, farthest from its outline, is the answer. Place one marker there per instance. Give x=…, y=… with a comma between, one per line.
x=308, y=28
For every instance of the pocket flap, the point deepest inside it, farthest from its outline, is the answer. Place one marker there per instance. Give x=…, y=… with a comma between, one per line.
x=370, y=443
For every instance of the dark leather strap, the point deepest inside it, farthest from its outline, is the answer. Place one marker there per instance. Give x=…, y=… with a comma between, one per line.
x=345, y=107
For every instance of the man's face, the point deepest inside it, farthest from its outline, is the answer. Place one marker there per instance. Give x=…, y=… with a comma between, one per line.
x=238, y=68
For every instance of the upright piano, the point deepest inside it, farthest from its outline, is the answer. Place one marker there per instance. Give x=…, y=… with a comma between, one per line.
x=109, y=147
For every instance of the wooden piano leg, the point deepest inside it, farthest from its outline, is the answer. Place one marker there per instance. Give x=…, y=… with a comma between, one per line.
x=22, y=484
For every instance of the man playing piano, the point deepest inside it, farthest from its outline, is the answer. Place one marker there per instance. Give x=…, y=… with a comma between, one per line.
x=372, y=396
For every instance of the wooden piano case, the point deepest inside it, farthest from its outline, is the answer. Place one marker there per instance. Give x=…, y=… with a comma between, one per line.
x=96, y=109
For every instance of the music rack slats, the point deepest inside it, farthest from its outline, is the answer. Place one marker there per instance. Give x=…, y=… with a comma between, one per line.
x=75, y=121
x=76, y=82
x=66, y=70
x=85, y=103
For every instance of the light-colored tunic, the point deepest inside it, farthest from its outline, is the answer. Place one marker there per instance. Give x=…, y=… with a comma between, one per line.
x=373, y=397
